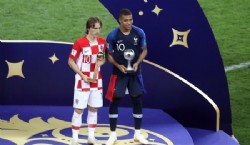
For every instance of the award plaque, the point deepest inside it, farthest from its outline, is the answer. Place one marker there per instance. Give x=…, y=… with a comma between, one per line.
x=129, y=55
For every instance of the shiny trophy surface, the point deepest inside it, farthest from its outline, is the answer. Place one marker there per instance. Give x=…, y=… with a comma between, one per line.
x=129, y=55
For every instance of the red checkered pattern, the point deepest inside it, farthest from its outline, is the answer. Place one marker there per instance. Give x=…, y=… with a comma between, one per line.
x=85, y=55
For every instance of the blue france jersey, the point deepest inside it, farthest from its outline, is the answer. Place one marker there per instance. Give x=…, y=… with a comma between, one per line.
x=118, y=43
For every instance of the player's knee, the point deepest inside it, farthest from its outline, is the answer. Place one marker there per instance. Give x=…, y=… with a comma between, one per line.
x=137, y=100
x=78, y=111
x=92, y=109
x=137, y=106
x=115, y=102
x=113, y=108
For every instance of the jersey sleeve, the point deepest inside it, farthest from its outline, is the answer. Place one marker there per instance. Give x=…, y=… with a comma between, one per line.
x=105, y=44
x=76, y=50
x=110, y=40
x=142, y=35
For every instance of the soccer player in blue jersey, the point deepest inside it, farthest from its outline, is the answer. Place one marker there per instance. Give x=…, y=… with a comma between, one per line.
x=126, y=38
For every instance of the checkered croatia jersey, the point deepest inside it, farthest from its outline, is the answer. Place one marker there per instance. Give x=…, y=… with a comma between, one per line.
x=85, y=55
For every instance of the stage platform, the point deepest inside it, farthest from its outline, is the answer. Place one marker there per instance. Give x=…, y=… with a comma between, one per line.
x=51, y=125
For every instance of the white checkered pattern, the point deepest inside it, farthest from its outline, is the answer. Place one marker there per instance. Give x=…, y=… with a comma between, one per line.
x=85, y=55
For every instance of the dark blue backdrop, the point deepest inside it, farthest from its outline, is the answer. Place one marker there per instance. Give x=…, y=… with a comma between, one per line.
x=184, y=73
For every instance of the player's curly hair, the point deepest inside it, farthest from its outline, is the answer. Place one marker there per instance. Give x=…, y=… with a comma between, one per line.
x=91, y=23
x=124, y=12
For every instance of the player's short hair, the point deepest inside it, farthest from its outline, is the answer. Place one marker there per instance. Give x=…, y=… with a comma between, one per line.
x=124, y=12
x=91, y=23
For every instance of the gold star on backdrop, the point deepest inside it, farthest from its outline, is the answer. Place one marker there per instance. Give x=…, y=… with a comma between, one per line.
x=157, y=10
x=15, y=69
x=53, y=58
x=140, y=13
x=180, y=38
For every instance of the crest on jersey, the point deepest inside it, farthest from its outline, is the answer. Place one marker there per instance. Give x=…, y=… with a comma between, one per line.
x=76, y=101
x=135, y=40
x=101, y=47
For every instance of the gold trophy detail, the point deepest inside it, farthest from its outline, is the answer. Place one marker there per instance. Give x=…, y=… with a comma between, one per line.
x=100, y=57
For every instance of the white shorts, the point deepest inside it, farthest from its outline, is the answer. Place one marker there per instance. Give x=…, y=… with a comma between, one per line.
x=92, y=98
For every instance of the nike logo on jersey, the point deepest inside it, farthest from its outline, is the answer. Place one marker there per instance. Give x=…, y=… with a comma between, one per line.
x=119, y=41
x=85, y=50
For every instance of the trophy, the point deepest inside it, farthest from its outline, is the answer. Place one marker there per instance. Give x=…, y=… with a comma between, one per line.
x=129, y=55
x=100, y=57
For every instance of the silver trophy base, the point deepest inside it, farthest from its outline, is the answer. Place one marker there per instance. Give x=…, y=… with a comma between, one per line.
x=130, y=71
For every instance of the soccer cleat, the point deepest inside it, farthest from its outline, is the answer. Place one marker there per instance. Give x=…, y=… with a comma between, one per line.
x=92, y=141
x=140, y=138
x=111, y=140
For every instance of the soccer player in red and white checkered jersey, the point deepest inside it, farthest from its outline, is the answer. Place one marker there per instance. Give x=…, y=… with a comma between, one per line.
x=87, y=91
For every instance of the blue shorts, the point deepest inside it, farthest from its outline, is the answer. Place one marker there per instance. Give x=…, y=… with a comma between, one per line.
x=127, y=81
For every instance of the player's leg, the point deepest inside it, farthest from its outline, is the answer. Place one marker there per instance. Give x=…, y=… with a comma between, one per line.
x=135, y=93
x=137, y=114
x=137, y=111
x=120, y=88
x=95, y=102
x=80, y=103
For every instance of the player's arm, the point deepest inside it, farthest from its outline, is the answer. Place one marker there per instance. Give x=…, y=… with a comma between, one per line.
x=140, y=59
x=74, y=54
x=75, y=68
x=144, y=51
x=110, y=58
x=142, y=55
x=101, y=60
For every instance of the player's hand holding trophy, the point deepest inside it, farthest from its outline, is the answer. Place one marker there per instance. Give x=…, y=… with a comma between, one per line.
x=129, y=55
x=99, y=62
